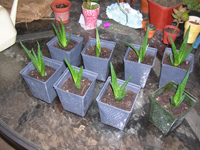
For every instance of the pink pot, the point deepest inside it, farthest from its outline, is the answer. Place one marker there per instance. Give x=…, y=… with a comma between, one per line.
x=90, y=16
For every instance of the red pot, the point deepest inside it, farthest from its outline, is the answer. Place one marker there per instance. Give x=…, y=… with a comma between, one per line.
x=160, y=16
x=166, y=38
x=62, y=13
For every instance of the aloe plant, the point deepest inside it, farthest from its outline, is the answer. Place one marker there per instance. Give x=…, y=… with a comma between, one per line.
x=77, y=76
x=37, y=61
x=180, y=56
x=179, y=96
x=62, y=35
x=98, y=44
x=88, y=5
x=118, y=90
x=143, y=48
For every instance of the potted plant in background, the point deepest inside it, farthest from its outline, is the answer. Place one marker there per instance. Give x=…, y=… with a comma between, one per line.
x=193, y=6
x=167, y=115
x=144, y=6
x=116, y=101
x=152, y=30
x=90, y=12
x=140, y=67
x=160, y=12
x=180, y=15
x=131, y=2
x=144, y=22
x=40, y=75
x=97, y=55
x=61, y=9
x=65, y=45
x=75, y=89
x=174, y=67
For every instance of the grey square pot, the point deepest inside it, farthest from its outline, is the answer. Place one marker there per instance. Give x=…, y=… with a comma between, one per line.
x=171, y=73
x=39, y=89
x=73, y=56
x=114, y=116
x=72, y=102
x=138, y=71
x=99, y=65
x=160, y=116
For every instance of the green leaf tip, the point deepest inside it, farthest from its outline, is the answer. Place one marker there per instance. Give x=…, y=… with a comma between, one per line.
x=98, y=44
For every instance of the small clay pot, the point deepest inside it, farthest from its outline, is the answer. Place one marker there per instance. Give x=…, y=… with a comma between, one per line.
x=152, y=30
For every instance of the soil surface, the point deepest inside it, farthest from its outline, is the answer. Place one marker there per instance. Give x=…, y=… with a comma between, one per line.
x=171, y=30
x=71, y=45
x=35, y=74
x=105, y=53
x=148, y=59
x=125, y=104
x=184, y=65
x=61, y=6
x=69, y=86
x=164, y=100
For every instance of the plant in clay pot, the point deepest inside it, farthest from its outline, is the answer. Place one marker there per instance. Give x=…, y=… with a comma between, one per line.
x=174, y=67
x=97, y=54
x=144, y=22
x=75, y=89
x=116, y=101
x=167, y=115
x=138, y=61
x=152, y=30
x=40, y=75
x=65, y=45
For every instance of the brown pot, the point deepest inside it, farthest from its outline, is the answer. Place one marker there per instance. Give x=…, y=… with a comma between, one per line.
x=151, y=33
x=166, y=38
x=145, y=6
x=144, y=23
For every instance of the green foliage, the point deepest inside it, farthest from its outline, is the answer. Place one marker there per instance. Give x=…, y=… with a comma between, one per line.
x=88, y=5
x=62, y=35
x=77, y=76
x=123, y=11
x=143, y=48
x=152, y=27
x=37, y=61
x=98, y=44
x=180, y=56
x=179, y=96
x=192, y=4
x=118, y=90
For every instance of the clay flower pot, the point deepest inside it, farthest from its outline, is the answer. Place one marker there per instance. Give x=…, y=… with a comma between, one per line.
x=152, y=30
x=145, y=6
x=166, y=38
x=144, y=22
x=62, y=13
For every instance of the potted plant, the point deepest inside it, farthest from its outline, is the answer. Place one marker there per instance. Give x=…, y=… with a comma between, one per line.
x=90, y=12
x=193, y=6
x=75, y=89
x=180, y=15
x=174, y=67
x=97, y=55
x=144, y=22
x=114, y=107
x=139, y=68
x=152, y=30
x=167, y=115
x=61, y=9
x=40, y=75
x=160, y=12
x=144, y=6
x=131, y=2
x=65, y=45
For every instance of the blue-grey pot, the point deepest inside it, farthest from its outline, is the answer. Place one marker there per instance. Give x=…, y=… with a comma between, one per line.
x=111, y=115
x=138, y=71
x=171, y=73
x=72, y=102
x=73, y=56
x=99, y=65
x=39, y=89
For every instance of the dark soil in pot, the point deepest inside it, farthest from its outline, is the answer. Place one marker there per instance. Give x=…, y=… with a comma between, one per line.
x=70, y=46
x=171, y=31
x=125, y=104
x=184, y=65
x=164, y=100
x=61, y=6
x=69, y=86
x=193, y=22
x=148, y=59
x=35, y=74
x=105, y=53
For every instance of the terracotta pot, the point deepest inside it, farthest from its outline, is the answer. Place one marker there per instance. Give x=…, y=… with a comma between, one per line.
x=144, y=24
x=128, y=1
x=166, y=38
x=151, y=33
x=145, y=6
x=160, y=16
x=62, y=13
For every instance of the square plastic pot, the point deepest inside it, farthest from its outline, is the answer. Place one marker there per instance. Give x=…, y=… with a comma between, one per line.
x=39, y=89
x=160, y=116
x=138, y=71
x=114, y=116
x=171, y=73
x=73, y=56
x=99, y=65
x=72, y=102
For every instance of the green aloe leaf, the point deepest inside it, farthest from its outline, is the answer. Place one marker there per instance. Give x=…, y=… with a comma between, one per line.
x=98, y=44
